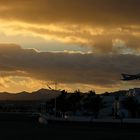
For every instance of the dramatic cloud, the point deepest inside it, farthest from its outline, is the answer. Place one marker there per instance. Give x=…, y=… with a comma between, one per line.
x=109, y=31
x=106, y=26
x=114, y=12
x=67, y=68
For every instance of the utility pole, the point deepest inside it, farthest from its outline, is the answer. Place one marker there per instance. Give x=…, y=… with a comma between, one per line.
x=55, y=98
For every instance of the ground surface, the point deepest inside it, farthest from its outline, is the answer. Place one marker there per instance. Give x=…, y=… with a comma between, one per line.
x=24, y=130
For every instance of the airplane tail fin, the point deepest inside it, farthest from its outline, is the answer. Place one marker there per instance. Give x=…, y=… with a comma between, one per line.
x=124, y=75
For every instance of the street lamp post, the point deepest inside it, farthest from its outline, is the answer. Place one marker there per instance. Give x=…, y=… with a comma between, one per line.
x=55, y=98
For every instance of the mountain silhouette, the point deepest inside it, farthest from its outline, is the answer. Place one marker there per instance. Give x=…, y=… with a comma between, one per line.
x=41, y=94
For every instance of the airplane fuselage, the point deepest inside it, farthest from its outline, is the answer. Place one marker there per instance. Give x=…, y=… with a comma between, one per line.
x=127, y=77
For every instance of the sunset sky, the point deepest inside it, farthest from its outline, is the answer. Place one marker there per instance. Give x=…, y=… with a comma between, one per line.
x=80, y=44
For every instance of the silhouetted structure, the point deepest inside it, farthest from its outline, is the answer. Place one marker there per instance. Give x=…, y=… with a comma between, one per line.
x=116, y=108
x=128, y=77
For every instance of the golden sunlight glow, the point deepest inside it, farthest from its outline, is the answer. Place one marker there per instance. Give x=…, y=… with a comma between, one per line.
x=75, y=34
x=15, y=84
x=99, y=38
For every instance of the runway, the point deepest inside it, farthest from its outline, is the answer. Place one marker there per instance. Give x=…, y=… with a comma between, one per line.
x=28, y=129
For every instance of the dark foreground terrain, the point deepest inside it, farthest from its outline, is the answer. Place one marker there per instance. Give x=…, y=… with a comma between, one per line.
x=28, y=129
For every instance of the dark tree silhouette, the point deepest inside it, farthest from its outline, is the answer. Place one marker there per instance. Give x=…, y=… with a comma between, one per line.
x=74, y=101
x=61, y=102
x=131, y=104
x=94, y=104
x=91, y=93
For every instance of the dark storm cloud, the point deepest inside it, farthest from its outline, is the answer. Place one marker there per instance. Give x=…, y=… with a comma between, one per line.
x=77, y=21
x=99, y=12
x=101, y=70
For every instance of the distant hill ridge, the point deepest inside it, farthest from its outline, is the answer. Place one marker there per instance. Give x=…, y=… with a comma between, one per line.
x=42, y=94
x=46, y=94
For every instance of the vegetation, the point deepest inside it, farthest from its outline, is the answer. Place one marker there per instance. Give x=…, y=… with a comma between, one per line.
x=94, y=103
x=132, y=104
x=77, y=101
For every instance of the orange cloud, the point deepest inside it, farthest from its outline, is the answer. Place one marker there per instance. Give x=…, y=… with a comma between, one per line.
x=67, y=68
x=91, y=23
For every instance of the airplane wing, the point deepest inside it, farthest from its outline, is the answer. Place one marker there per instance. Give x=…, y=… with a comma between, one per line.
x=127, y=75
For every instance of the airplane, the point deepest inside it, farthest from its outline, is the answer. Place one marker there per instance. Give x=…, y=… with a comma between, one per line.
x=128, y=77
